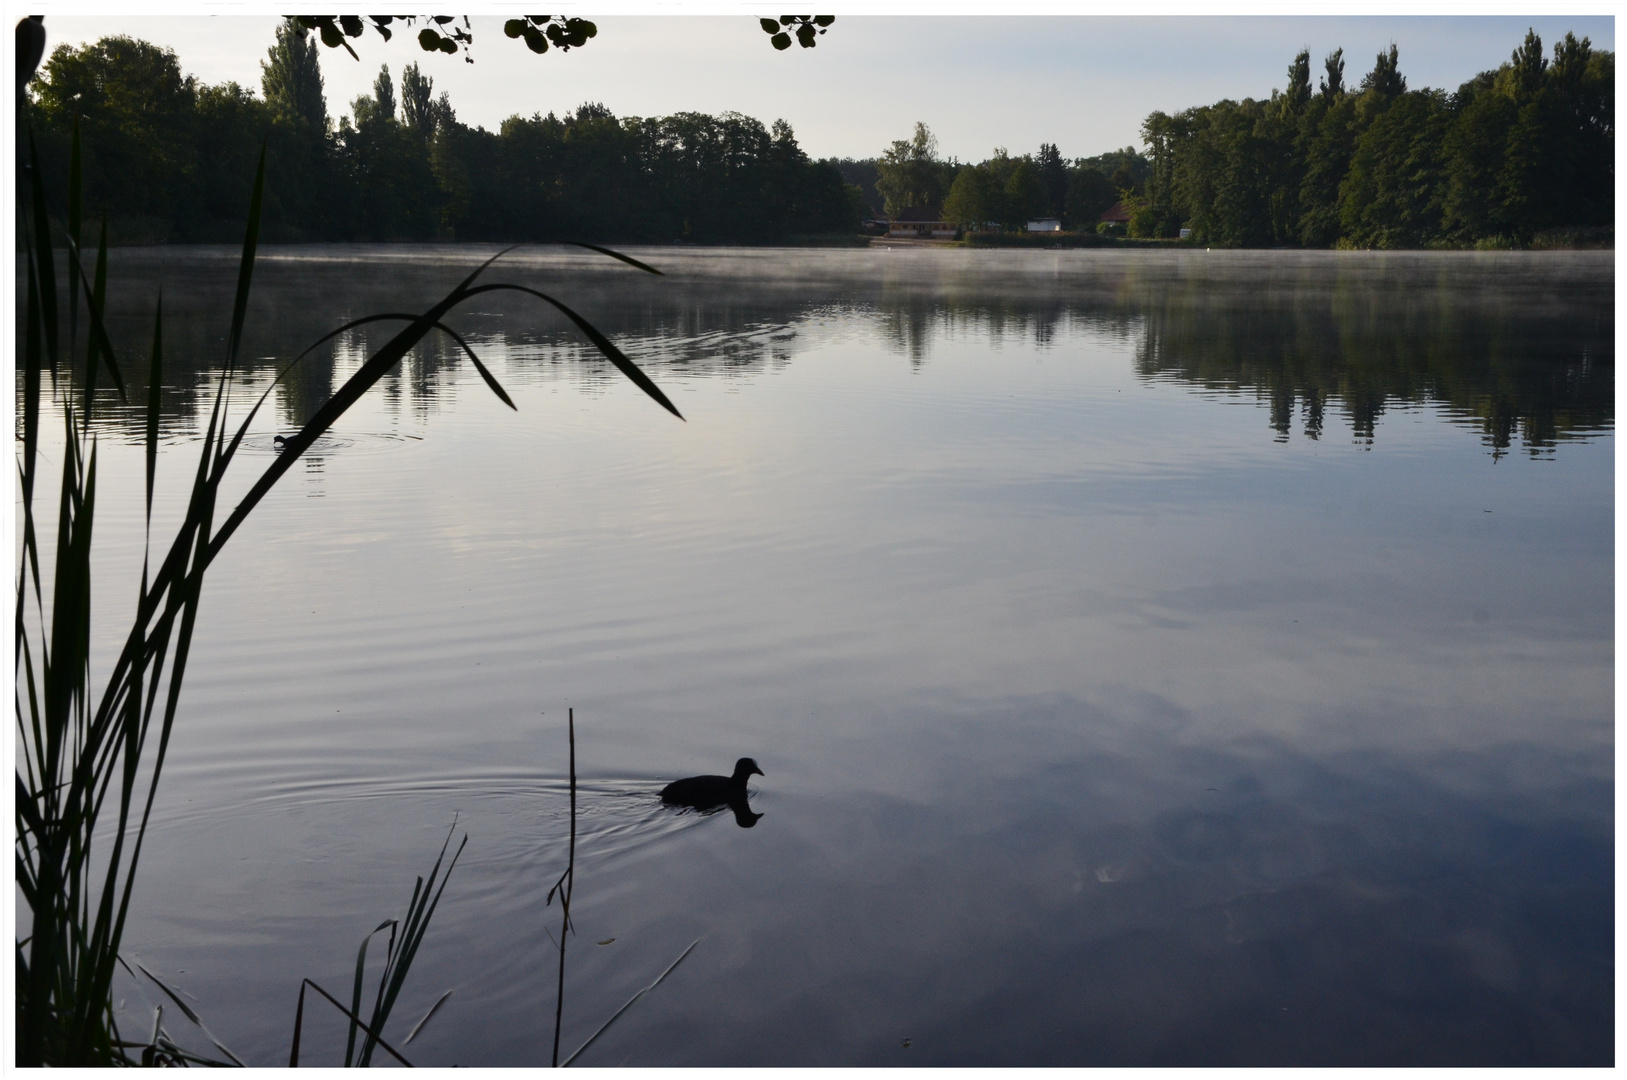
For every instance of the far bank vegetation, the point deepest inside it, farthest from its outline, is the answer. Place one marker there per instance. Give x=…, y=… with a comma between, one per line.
x=1518, y=156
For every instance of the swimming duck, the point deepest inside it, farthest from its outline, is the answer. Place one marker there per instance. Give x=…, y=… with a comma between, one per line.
x=705, y=792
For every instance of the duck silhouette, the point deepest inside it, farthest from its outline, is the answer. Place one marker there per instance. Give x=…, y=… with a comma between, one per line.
x=712, y=792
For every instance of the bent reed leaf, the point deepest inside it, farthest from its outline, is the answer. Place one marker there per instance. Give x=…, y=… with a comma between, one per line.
x=602, y=343
x=628, y=259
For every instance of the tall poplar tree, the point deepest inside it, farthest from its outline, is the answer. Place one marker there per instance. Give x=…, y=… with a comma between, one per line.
x=298, y=196
x=417, y=101
x=291, y=80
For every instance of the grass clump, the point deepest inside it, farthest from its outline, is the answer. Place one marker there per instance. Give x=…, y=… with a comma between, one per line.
x=89, y=760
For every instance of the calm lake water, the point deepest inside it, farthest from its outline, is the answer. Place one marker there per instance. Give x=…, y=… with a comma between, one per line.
x=1154, y=658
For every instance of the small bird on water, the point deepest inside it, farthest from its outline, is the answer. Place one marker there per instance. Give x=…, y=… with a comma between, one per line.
x=705, y=792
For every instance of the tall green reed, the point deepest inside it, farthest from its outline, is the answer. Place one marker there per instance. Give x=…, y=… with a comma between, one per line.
x=75, y=868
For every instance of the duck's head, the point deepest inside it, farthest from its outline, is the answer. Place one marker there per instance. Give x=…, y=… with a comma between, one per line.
x=745, y=767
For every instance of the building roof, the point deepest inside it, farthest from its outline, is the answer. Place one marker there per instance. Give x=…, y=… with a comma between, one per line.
x=1116, y=212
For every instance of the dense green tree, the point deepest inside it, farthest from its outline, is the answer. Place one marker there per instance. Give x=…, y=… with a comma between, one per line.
x=1090, y=195
x=137, y=114
x=1473, y=147
x=1324, y=143
x=1025, y=194
x=1128, y=168
x=1527, y=146
x=1383, y=84
x=1284, y=120
x=1512, y=153
x=1585, y=81
x=1155, y=207
x=1053, y=172
x=911, y=174
x=967, y=204
x=1391, y=198
x=1332, y=82
x=230, y=122
x=861, y=173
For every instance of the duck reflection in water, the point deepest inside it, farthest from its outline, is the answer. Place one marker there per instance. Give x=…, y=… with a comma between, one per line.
x=710, y=793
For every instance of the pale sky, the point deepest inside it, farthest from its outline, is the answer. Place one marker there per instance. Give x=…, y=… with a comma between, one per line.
x=1082, y=82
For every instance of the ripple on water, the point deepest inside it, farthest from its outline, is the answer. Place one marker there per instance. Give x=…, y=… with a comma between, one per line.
x=616, y=816
x=349, y=442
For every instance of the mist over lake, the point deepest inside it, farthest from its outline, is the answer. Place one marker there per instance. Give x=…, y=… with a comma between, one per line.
x=1153, y=657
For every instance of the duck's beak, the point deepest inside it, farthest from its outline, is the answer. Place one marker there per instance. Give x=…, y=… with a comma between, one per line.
x=759, y=772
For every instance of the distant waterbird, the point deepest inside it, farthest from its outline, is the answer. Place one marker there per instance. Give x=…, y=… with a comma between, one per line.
x=710, y=792
x=704, y=792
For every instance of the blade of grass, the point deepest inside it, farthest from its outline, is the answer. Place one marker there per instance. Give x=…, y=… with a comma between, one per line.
x=75, y=217
x=629, y=1004
x=417, y=922
x=245, y=267
x=566, y=885
x=190, y=1014
x=433, y=1009
x=98, y=347
x=32, y=361
x=356, y=991
x=155, y=381
x=42, y=255
x=372, y=1034
x=98, y=344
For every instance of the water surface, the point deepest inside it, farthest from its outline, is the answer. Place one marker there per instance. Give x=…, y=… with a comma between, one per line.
x=1154, y=658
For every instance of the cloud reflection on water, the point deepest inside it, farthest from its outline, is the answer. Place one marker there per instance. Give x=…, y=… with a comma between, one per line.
x=1107, y=728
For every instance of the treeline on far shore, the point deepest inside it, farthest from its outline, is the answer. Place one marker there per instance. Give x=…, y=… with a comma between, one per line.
x=1514, y=156
x=167, y=159
x=1522, y=156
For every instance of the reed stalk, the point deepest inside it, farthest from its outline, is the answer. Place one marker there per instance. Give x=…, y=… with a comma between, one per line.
x=564, y=887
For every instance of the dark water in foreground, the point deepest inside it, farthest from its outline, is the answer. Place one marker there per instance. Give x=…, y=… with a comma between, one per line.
x=1186, y=659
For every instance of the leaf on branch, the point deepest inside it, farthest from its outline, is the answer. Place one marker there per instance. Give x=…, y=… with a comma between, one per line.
x=538, y=31
x=805, y=27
